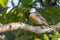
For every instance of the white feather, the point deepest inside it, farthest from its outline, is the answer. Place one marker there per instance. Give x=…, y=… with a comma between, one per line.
x=32, y=10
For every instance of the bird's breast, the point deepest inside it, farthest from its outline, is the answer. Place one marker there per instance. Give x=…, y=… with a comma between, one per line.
x=35, y=19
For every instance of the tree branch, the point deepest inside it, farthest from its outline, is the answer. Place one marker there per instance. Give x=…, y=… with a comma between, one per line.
x=26, y=27
x=56, y=27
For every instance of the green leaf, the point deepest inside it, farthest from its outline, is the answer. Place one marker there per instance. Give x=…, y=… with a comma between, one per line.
x=3, y=3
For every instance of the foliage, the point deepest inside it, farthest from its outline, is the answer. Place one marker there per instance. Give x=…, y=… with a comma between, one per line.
x=49, y=10
x=3, y=3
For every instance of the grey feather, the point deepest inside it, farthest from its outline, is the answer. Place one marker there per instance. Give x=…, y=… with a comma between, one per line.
x=33, y=10
x=39, y=16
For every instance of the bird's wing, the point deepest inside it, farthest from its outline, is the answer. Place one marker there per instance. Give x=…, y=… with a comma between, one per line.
x=35, y=19
x=40, y=17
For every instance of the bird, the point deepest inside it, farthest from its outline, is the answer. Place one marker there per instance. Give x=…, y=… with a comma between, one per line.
x=36, y=17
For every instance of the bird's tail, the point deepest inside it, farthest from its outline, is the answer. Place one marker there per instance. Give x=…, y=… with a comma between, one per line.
x=46, y=23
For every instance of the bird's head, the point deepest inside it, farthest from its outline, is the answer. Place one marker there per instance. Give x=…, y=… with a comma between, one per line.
x=33, y=9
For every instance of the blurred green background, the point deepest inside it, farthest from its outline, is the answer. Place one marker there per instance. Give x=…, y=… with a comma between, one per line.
x=49, y=9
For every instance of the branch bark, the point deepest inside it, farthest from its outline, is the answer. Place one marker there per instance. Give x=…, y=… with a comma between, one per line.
x=26, y=27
